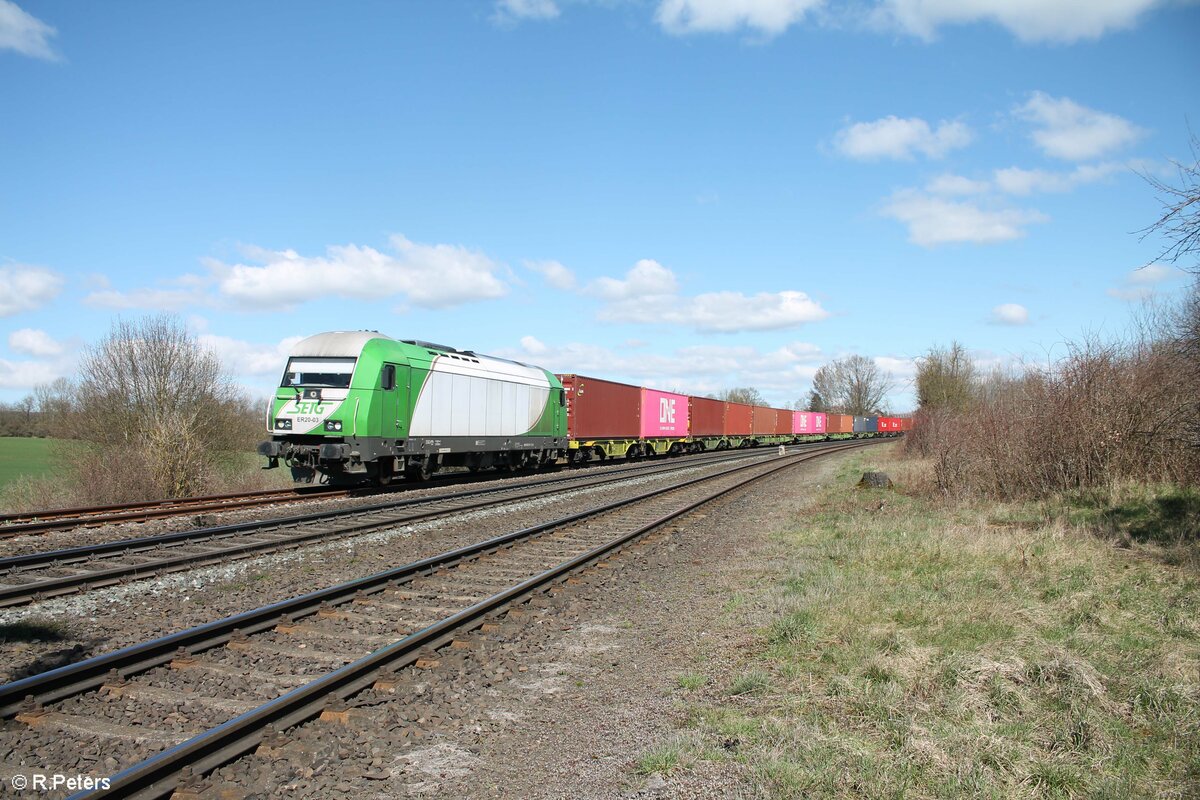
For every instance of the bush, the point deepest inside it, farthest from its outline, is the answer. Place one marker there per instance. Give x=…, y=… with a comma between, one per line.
x=1106, y=412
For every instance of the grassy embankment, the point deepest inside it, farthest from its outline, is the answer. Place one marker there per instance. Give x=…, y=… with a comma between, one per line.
x=922, y=650
x=34, y=475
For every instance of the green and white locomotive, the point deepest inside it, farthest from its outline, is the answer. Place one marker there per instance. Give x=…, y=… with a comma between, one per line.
x=358, y=406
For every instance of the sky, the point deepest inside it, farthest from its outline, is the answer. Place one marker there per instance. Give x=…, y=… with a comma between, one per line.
x=685, y=194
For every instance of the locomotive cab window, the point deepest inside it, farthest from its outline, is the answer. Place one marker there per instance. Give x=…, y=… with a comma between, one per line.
x=387, y=380
x=331, y=373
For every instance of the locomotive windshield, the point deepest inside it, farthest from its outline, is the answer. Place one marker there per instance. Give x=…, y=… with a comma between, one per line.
x=326, y=372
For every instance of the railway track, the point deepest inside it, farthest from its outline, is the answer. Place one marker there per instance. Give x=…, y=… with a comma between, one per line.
x=40, y=576
x=177, y=707
x=25, y=524
x=13, y=525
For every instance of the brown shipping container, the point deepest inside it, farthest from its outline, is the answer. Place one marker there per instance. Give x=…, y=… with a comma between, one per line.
x=598, y=409
x=737, y=419
x=707, y=416
x=783, y=422
x=839, y=423
x=764, y=421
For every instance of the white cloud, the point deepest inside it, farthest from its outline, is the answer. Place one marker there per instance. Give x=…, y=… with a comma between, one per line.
x=29, y=374
x=533, y=345
x=556, y=274
x=25, y=288
x=782, y=374
x=1010, y=314
x=432, y=276
x=956, y=185
x=646, y=279
x=1155, y=273
x=934, y=220
x=1015, y=180
x=249, y=358
x=892, y=137
x=1028, y=20
x=510, y=10
x=24, y=33
x=769, y=17
x=1140, y=284
x=34, y=342
x=155, y=299
x=650, y=293
x=1068, y=130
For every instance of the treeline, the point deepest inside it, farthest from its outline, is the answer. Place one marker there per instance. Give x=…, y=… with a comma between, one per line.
x=24, y=418
x=1127, y=409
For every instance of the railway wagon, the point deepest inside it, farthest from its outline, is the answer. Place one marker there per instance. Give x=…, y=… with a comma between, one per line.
x=865, y=425
x=357, y=406
x=706, y=417
x=738, y=420
x=607, y=419
x=808, y=423
x=839, y=423
x=600, y=409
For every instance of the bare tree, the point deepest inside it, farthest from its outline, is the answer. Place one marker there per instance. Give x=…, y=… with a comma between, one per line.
x=156, y=408
x=1180, y=220
x=946, y=379
x=852, y=385
x=814, y=402
x=743, y=394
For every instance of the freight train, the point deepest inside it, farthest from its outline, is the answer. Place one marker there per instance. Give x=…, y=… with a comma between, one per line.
x=361, y=407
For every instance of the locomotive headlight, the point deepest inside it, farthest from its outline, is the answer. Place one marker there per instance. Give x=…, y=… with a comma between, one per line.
x=283, y=424
x=333, y=425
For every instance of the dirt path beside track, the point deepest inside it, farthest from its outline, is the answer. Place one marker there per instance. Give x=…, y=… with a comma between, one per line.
x=607, y=694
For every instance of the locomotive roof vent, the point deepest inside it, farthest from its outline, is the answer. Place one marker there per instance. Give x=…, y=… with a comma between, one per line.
x=429, y=345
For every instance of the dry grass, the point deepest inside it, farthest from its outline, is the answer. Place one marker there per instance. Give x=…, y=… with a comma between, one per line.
x=929, y=650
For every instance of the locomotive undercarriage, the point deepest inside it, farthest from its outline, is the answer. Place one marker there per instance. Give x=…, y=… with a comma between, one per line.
x=340, y=462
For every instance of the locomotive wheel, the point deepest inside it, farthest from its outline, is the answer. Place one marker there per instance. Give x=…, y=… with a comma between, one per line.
x=421, y=471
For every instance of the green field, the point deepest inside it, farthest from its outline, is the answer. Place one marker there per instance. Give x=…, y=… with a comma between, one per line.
x=21, y=456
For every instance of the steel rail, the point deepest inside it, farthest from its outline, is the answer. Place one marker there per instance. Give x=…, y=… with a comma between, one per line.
x=157, y=776
x=40, y=589
x=23, y=524
x=90, y=673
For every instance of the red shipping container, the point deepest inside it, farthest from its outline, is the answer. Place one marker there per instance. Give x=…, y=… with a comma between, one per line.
x=706, y=416
x=839, y=423
x=783, y=422
x=737, y=419
x=599, y=409
x=664, y=414
x=762, y=421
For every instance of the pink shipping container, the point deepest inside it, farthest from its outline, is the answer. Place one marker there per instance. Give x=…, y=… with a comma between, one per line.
x=808, y=423
x=737, y=419
x=706, y=416
x=664, y=414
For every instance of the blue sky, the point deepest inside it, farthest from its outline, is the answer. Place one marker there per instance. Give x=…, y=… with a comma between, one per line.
x=687, y=194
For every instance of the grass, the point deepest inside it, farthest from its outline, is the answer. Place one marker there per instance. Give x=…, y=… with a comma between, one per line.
x=921, y=650
x=20, y=457
x=660, y=759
